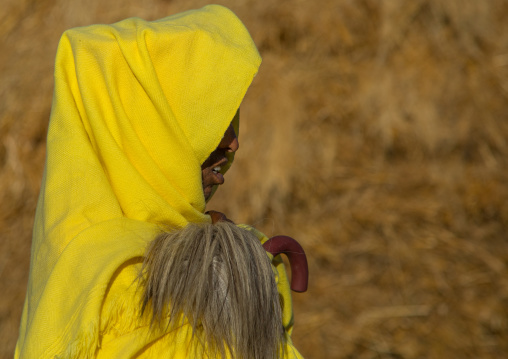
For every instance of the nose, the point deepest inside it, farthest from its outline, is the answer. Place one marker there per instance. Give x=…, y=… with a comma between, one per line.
x=230, y=141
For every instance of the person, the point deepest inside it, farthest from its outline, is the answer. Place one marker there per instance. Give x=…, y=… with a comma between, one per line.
x=143, y=127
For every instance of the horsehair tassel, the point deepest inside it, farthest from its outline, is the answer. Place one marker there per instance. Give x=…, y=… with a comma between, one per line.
x=297, y=259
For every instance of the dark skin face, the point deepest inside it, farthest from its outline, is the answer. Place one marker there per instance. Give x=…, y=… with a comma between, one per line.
x=210, y=169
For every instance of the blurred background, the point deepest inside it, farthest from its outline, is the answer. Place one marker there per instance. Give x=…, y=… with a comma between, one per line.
x=375, y=133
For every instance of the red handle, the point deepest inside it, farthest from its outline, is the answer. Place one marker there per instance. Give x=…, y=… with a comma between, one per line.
x=297, y=259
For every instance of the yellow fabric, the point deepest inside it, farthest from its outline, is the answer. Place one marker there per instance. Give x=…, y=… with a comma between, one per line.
x=138, y=106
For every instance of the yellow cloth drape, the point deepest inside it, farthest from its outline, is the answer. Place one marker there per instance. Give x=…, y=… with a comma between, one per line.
x=138, y=106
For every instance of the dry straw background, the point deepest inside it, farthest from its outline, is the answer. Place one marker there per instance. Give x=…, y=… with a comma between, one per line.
x=375, y=133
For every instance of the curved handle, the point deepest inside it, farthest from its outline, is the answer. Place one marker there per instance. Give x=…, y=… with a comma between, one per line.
x=297, y=259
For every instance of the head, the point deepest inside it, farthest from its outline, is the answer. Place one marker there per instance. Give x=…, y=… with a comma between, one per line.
x=212, y=170
x=167, y=115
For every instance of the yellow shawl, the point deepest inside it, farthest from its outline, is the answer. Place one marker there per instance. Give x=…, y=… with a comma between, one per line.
x=138, y=106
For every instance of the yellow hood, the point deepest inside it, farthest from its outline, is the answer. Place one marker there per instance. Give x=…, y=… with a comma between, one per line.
x=138, y=106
